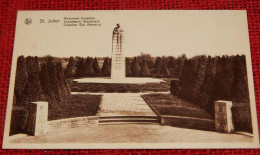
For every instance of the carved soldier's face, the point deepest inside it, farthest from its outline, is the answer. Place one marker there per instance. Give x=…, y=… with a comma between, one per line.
x=117, y=25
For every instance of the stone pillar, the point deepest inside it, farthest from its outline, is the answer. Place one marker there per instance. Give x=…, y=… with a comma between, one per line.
x=37, y=118
x=223, y=116
x=118, y=57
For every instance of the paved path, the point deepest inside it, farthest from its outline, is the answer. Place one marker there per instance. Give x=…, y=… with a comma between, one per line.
x=133, y=133
x=124, y=104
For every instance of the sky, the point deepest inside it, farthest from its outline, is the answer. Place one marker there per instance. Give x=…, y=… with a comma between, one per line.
x=159, y=33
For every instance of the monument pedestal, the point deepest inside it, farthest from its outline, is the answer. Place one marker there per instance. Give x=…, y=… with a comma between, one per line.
x=118, y=74
x=37, y=119
x=223, y=116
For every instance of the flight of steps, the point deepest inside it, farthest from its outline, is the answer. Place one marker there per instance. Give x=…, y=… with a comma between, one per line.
x=110, y=120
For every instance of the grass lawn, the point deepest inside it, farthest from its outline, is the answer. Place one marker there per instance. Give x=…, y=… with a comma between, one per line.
x=123, y=88
x=77, y=106
x=167, y=104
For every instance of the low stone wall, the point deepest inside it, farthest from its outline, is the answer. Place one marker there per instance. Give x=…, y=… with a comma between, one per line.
x=188, y=122
x=78, y=122
x=38, y=123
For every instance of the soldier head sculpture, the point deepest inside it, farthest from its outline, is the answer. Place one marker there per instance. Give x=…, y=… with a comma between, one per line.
x=118, y=58
x=118, y=29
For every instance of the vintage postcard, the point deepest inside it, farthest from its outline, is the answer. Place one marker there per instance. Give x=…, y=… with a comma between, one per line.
x=131, y=79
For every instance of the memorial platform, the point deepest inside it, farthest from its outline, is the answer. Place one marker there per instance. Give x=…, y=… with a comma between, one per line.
x=136, y=80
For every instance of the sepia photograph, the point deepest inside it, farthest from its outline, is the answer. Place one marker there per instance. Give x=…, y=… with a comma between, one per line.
x=140, y=79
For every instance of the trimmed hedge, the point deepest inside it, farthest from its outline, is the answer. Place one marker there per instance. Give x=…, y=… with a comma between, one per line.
x=206, y=79
x=110, y=87
x=242, y=118
x=45, y=83
x=144, y=65
x=18, y=120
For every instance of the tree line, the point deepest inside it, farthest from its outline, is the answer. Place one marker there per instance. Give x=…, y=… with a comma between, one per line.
x=141, y=66
x=208, y=79
x=89, y=67
x=37, y=82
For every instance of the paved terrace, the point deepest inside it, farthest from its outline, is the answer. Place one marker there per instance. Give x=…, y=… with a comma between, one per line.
x=133, y=133
x=128, y=80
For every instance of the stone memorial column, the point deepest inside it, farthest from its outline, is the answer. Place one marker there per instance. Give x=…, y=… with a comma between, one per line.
x=118, y=57
x=37, y=118
x=223, y=116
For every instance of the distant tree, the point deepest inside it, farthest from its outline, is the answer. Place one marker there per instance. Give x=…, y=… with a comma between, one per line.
x=165, y=60
x=88, y=69
x=171, y=62
x=135, y=69
x=164, y=70
x=21, y=79
x=95, y=66
x=172, y=65
x=144, y=71
x=148, y=58
x=106, y=70
x=80, y=67
x=157, y=65
x=127, y=67
x=71, y=68
x=179, y=65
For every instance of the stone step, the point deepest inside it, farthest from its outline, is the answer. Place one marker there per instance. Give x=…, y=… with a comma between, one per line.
x=110, y=117
x=128, y=119
x=118, y=123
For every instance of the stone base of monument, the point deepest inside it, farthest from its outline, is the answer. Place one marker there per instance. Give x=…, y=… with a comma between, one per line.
x=37, y=119
x=223, y=116
x=137, y=80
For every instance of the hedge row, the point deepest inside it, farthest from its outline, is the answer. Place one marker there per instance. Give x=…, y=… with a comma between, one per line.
x=88, y=67
x=207, y=79
x=37, y=82
x=140, y=66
